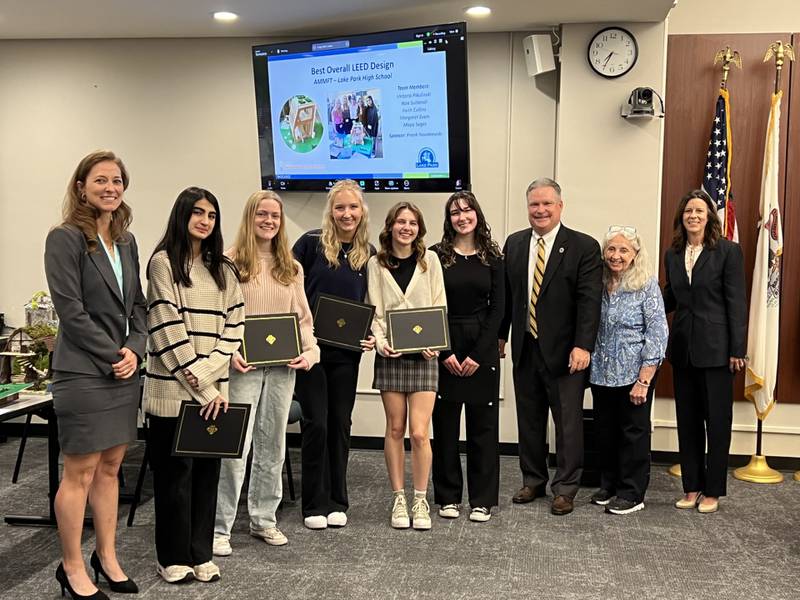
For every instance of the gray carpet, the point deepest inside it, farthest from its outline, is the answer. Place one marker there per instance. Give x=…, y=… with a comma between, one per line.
x=748, y=550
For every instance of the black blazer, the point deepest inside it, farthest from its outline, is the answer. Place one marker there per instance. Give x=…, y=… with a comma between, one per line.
x=710, y=313
x=568, y=309
x=92, y=310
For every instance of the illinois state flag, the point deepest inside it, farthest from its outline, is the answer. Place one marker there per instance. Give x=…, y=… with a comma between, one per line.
x=762, y=342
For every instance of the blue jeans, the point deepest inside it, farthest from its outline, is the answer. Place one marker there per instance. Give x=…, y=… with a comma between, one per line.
x=269, y=391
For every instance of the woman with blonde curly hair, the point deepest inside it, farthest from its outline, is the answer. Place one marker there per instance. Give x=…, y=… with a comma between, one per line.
x=405, y=274
x=334, y=259
x=272, y=282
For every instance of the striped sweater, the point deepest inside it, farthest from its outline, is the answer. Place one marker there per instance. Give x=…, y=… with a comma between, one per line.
x=263, y=296
x=196, y=328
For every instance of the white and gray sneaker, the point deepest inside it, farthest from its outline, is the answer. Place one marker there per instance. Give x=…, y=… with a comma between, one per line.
x=337, y=519
x=400, y=518
x=175, y=573
x=450, y=511
x=316, y=522
x=222, y=546
x=480, y=514
x=271, y=535
x=206, y=572
x=420, y=514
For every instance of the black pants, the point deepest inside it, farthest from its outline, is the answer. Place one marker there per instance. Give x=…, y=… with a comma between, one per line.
x=536, y=391
x=704, y=408
x=327, y=393
x=185, y=498
x=483, y=454
x=623, y=437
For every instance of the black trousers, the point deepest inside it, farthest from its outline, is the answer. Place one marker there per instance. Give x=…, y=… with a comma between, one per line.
x=185, y=498
x=536, y=391
x=704, y=408
x=483, y=453
x=623, y=437
x=327, y=393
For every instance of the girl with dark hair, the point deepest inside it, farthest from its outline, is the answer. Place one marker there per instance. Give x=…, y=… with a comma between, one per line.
x=334, y=260
x=195, y=320
x=92, y=267
x=707, y=346
x=404, y=274
x=469, y=372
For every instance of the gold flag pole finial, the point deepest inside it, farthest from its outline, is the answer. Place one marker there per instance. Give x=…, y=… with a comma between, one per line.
x=781, y=52
x=727, y=57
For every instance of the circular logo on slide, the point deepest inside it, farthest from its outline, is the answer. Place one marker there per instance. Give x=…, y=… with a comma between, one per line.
x=301, y=124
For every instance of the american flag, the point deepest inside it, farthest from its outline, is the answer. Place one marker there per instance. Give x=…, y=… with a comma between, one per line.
x=717, y=173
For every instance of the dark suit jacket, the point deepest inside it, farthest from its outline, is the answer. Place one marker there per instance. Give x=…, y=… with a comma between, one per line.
x=91, y=308
x=568, y=309
x=710, y=313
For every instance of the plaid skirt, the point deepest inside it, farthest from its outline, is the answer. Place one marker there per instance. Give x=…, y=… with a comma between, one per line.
x=406, y=374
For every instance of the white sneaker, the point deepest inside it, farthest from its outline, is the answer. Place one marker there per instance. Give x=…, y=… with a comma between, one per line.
x=400, y=518
x=337, y=519
x=271, y=535
x=222, y=546
x=175, y=573
x=206, y=572
x=481, y=514
x=421, y=514
x=315, y=522
x=449, y=511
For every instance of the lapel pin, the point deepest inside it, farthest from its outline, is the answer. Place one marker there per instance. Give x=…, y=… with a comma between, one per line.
x=561, y=250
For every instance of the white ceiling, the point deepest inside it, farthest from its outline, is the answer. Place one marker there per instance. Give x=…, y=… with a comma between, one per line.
x=43, y=19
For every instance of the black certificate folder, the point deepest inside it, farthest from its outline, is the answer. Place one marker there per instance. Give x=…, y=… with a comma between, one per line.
x=341, y=322
x=271, y=339
x=417, y=329
x=222, y=437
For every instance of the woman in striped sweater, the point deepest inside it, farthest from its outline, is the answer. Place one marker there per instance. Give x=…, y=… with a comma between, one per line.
x=195, y=322
x=272, y=282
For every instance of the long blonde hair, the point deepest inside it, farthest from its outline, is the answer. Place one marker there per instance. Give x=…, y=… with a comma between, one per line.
x=331, y=246
x=79, y=213
x=245, y=248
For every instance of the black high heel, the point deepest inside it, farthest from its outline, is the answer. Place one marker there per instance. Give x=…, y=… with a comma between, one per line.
x=127, y=586
x=61, y=577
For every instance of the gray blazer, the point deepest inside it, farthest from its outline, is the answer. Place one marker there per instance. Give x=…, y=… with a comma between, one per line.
x=92, y=310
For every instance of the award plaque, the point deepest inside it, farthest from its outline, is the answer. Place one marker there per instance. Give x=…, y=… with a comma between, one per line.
x=416, y=329
x=223, y=437
x=271, y=339
x=341, y=322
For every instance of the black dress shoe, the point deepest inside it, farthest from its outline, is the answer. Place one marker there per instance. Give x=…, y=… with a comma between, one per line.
x=528, y=494
x=61, y=577
x=128, y=586
x=562, y=505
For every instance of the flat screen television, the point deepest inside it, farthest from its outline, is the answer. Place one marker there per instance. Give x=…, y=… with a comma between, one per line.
x=387, y=109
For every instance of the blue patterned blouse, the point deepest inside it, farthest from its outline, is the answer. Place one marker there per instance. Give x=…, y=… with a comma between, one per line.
x=632, y=333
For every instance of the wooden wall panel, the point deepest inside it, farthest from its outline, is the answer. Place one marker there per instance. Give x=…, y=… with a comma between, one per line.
x=692, y=88
x=789, y=353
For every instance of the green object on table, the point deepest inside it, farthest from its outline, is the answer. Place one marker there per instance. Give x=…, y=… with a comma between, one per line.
x=11, y=389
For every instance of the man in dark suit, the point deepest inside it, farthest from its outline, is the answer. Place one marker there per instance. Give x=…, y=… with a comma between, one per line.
x=553, y=291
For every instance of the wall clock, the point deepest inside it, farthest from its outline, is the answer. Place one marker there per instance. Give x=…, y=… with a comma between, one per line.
x=612, y=52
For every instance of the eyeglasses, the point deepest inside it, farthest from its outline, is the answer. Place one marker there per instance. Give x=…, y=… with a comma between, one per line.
x=622, y=228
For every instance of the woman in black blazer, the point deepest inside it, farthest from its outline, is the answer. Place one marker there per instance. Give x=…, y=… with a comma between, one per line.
x=92, y=267
x=705, y=288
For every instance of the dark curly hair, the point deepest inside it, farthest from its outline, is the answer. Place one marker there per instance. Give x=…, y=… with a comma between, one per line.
x=486, y=246
x=713, y=226
x=385, y=258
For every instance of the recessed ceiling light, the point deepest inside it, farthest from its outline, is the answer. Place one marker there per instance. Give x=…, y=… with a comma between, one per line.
x=225, y=16
x=478, y=11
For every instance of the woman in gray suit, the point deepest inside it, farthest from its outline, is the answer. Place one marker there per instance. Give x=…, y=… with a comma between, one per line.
x=92, y=268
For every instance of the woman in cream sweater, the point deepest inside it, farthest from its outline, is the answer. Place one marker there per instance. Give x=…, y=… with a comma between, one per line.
x=404, y=274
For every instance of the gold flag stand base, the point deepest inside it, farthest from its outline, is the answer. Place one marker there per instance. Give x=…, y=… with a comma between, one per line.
x=675, y=470
x=797, y=475
x=758, y=471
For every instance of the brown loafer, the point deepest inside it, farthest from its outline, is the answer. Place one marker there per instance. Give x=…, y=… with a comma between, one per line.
x=562, y=505
x=527, y=494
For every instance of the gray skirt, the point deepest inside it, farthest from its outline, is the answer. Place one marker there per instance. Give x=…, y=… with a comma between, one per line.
x=406, y=374
x=94, y=413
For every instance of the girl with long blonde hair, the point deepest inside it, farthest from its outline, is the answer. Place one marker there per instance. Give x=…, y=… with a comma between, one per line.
x=334, y=259
x=272, y=283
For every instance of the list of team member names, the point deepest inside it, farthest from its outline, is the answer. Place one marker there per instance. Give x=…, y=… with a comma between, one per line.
x=414, y=100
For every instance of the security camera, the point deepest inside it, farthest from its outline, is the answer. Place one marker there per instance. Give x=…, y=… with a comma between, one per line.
x=641, y=104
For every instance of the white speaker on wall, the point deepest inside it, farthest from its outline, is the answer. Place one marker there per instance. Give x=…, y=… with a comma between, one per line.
x=538, y=54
